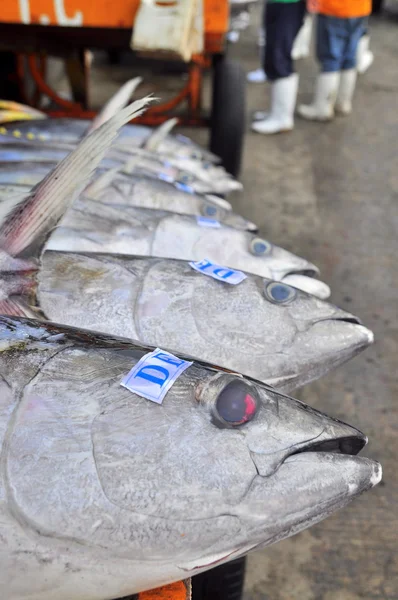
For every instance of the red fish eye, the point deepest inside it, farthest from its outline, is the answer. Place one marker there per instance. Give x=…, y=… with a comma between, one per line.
x=236, y=403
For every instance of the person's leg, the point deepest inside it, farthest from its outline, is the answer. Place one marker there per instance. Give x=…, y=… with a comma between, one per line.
x=283, y=21
x=348, y=78
x=331, y=41
x=258, y=75
x=365, y=56
x=302, y=43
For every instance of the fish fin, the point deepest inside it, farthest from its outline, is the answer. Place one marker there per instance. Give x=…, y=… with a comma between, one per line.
x=129, y=166
x=14, y=307
x=30, y=220
x=153, y=142
x=101, y=182
x=115, y=103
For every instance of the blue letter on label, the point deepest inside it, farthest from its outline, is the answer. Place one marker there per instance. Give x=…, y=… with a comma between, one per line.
x=217, y=272
x=154, y=374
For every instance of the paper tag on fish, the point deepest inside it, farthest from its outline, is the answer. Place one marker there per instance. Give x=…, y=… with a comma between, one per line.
x=218, y=272
x=165, y=177
x=205, y=222
x=154, y=374
x=184, y=187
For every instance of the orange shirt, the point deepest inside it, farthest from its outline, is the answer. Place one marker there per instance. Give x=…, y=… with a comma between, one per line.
x=341, y=8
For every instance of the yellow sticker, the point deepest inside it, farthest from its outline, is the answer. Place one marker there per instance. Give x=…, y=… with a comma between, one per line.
x=16, y=133
x=3, y=130
x=41, y=136
x=30, y=136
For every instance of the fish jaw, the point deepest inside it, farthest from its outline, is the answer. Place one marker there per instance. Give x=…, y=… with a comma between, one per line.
x=320, y=483
x=323, y=347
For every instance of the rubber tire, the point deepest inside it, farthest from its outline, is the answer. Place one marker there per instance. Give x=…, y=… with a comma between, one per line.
x=377, y=7
x=228, y=113
x=221, y=583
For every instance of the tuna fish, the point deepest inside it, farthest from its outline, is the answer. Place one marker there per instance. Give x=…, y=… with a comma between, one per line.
x=104, y=494
x=71, y=131
x=218, y=182
x=138, y=231
x=267, y=330
x=113, y=187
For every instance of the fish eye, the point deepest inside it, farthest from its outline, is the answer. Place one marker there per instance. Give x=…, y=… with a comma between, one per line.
x=209, y=210
x=236, y=404
x=186, y=178
x=279, y=293
x=260, y=247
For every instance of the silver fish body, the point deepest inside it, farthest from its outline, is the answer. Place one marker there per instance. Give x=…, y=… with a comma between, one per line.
x=104, y=494
x=285, y=341
x=200, y=180
x=143, y=232
x=135, y=190
x=203, y=177
x=43, y=154
x=140, y=191
x=71, y=131
x=23, y=173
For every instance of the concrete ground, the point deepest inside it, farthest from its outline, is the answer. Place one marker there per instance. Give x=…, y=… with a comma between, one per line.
x=329, y=192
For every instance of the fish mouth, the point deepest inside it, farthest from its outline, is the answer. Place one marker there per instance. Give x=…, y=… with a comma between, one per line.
x=366, y=336
x=351, y=319
x=350, y=445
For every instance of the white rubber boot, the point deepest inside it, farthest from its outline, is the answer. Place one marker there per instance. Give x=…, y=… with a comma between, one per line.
x=283, y=101
x=348, y=79
x=322, y=107
x=302, y=43
x=260, y=115
x=365, y=57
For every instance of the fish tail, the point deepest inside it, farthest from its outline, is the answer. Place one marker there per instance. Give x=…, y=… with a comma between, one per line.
x=115, y=103
x=28, y=221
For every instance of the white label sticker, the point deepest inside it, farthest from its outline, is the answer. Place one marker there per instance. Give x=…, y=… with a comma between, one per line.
x=218, y=272
x=154, y=374
x=205, y=222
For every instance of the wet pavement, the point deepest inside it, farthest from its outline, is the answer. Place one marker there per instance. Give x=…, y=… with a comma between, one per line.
x=329, y=192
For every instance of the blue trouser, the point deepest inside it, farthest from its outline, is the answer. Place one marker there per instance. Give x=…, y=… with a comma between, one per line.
x=337, y=41
x=282, y=24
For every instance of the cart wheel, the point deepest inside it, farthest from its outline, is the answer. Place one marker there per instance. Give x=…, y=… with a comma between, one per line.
x=228, y=113
x=222, y=583
x=377, y=7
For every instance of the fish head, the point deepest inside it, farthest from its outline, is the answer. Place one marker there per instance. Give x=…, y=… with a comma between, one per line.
x=226, y=465
x=309, y=335
x=219, y=209
x=281, y=262
x=272, y=331
x=223, y=466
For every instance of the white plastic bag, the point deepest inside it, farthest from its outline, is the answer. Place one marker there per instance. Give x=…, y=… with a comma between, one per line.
x=169, y=28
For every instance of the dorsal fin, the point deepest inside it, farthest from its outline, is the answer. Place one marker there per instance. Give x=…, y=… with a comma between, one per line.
x=29, y=220
x=115, y=103
x=101, y=182
x=153, y=142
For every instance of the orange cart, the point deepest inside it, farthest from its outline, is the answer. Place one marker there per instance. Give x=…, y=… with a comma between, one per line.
x=34, y=28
